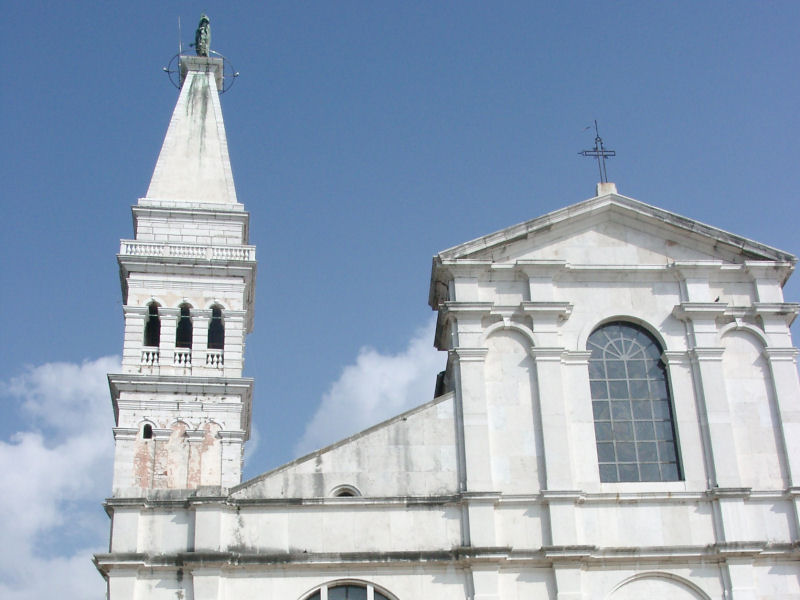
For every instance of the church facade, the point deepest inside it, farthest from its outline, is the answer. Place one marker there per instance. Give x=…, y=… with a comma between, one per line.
x=619, y=417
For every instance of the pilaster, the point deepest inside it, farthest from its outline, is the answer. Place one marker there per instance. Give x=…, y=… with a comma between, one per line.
x=231, y=456
x=470, y=363
x=783, y=367
x=207, y=583
x=568, y=581
x=690, y=421
x=200, y=320
x=555, y=422
x=717, y=416
x=122, y=583
x=540, y=274
x=169, y=326
x=135, y=317
x=485, y=582
x=742, y=581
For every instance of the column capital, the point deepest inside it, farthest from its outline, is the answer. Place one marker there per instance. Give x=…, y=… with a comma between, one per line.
x=776, y=354
x=469, y=354
x=125, y=433
x=195, y=435
x=676, y=357
x=230, y=437
x=546, y=354
x=161, y=435
x=706, y=354
x=576, y=357
x=553, y=310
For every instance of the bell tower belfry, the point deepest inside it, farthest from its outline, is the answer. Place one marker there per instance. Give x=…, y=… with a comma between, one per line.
x=181, y=405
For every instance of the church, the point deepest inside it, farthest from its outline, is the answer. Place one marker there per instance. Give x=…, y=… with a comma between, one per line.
x=619, y=417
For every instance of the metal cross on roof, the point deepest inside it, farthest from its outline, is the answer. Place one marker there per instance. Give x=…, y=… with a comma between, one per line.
x=600, y=153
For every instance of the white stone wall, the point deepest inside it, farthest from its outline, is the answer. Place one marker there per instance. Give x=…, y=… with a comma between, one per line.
x=492, y=491
x=413, y=454
x=197, y=226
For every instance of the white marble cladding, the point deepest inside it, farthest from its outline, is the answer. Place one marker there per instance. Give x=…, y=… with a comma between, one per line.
x=416, y=548
x=164, y=222
x=430, y=579
x=491, y=491
x=412, y=454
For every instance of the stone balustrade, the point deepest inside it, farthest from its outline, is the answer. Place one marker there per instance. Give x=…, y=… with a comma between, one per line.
x=237, y=253
x=182, y=357
x=150, y=356
x=214, y=359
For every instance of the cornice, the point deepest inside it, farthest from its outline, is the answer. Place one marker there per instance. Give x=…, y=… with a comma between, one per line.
x=686, y=311
x=461, y=308
x=554, y=555
x=540, y=268
x=134, y=382
x=698, y=310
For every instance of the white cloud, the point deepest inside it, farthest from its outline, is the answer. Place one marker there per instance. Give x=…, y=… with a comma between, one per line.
x=376, y=387
x=57, y=469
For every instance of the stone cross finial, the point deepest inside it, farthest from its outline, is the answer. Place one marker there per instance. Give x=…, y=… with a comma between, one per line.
x=202, y=37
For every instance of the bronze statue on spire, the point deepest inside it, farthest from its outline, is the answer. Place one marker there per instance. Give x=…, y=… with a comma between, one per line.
x=202, y=37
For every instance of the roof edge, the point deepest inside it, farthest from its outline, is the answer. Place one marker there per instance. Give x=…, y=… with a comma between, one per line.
x=521, y=230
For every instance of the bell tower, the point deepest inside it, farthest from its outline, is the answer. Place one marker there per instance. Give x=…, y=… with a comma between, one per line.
x=181, y=405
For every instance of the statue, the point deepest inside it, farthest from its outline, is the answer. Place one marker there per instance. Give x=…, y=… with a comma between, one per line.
x=202, y=37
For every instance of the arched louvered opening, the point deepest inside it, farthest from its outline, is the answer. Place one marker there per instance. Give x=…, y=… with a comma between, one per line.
x=216, y=330
x=152, y=326
x=183, y=333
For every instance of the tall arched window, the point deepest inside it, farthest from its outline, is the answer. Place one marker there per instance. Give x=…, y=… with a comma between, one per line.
x=632, y=407
x=152, y=327
x=347, y=591
x=183, y=333
x=216, y=330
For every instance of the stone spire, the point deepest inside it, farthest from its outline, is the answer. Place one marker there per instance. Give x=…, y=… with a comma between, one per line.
x=193, y=165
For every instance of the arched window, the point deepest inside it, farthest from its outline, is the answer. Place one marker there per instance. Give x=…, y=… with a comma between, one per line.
x=632, y=407
x=183, y=333
x=147, y=431
x=152, y=327
x=345, y=491
x=347, y=591
x=216, y=330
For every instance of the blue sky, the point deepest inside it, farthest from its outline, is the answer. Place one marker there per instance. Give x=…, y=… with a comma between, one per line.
x=364, y=138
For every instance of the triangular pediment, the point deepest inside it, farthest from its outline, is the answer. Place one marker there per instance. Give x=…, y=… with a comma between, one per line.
x=609, y=230
x=608, y=221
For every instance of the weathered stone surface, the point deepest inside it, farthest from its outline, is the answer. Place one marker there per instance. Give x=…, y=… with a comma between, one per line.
x=493, y=490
